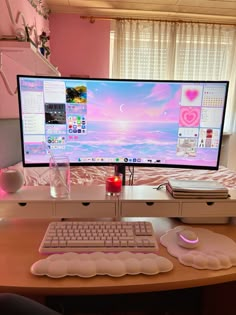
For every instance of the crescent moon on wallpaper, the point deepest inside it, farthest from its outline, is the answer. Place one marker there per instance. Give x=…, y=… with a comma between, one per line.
x=121, y=106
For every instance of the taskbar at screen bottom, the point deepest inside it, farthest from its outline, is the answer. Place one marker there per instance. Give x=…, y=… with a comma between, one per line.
x=198, y=164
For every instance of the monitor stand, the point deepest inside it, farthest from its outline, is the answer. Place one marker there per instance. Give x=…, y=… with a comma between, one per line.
x=120, y=169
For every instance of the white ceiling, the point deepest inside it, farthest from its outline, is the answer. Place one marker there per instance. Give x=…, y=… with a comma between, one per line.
x=222, y=11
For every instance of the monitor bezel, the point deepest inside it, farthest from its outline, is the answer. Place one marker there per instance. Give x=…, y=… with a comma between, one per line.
x=121, y=165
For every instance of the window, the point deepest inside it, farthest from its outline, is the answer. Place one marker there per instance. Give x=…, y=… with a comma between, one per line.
x=171, y=50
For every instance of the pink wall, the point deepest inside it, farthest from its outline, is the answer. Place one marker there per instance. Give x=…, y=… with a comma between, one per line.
x=30, y=15
x=78, y=46
x=11, y=66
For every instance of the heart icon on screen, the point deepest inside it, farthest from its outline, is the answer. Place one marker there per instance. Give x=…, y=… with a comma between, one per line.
x=190, y=117
x=192, y=94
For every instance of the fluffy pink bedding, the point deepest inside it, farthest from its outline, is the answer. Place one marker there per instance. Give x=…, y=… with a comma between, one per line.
x=87, y=175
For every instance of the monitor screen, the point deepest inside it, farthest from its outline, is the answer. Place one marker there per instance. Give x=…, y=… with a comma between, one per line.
x=122, y=122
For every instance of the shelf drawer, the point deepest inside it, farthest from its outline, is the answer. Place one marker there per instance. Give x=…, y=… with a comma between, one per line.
x=208, y=209
x=149, y=209
x=26, y=209
x=85, y=209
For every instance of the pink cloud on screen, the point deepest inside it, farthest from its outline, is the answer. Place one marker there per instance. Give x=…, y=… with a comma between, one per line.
x=189, y=116
x=160, y=92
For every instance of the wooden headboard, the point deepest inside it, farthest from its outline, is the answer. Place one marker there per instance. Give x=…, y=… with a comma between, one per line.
x=10, y=142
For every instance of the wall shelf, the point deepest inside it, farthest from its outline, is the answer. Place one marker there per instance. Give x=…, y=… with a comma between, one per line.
x=26, y=54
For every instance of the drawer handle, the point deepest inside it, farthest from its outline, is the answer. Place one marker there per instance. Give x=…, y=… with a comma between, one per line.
x=149, y=203
x=85, y=204
x=22, y=204
x=210, y=203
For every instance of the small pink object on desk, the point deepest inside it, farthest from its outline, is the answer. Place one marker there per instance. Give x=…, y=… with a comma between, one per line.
x=113, y=184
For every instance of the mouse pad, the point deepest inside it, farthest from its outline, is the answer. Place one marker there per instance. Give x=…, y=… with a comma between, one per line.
x=214, y=251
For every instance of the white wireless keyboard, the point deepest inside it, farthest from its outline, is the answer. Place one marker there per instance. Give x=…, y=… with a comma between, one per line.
x=104, y=236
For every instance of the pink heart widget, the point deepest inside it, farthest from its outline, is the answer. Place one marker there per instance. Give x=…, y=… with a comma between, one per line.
x=192, y=94
x=189, y=117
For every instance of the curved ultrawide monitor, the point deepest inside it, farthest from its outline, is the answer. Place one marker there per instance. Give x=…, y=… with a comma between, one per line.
x=122, y=122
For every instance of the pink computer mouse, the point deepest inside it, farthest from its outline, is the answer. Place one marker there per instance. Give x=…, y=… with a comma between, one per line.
x=187, y=238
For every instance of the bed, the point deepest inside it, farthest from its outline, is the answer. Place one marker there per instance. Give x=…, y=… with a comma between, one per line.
x=10, y=157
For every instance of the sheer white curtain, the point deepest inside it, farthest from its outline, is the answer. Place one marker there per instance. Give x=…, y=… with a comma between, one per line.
x=172, y=50
x=141, y=49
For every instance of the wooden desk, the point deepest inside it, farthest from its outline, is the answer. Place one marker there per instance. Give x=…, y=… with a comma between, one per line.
x=19, y=243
